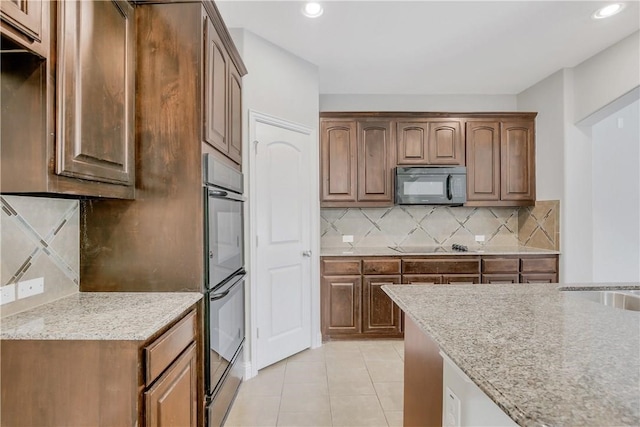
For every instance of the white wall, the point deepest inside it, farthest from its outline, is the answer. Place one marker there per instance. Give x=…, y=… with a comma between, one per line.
x=568, y=103
x=284, y=86
x=547, y=98
x=606, y=76
x=448, y=103
x=616, y=196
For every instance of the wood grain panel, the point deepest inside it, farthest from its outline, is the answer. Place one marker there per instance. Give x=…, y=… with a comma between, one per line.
x=483, y=161
x=24, y=15
x=381, y=266
x=441, y=266
x=411, y=141
x=539, y=278
x=341, y=305
x=539, y=265
x=96, y=75
x=422, y=279
x=500, y=278
x=235, y=115
x=338, y=161
x=501, y=265
x=215, y=90
x=446, y=144
x=375, y=160
x=460, y=279
x=379, y=313
x=340, y=266
x=422, y=378
x=173, y=400
x=517, y=160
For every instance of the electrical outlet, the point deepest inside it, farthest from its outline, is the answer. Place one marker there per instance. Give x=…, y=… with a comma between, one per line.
x=347, y=238
x=7, y=294
x=480, y=238
x=31, y=287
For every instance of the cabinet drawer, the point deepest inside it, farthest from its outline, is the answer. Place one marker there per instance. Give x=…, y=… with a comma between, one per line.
x=381, y=266
x=440, y=266
x=500, y=278
x=500, y=265
x=164, y=350
x=422, y=279
x=340, y=266
x=539, y=265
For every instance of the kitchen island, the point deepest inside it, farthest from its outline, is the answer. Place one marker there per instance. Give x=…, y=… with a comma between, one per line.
x=545, y=355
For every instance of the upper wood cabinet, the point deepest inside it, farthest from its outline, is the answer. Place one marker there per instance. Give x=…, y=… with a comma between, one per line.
x=430, y=142
x=357, y=160
x=222, y=95
x=500, y=163
x=96, y=75
x=69, y=124
x=27, y=23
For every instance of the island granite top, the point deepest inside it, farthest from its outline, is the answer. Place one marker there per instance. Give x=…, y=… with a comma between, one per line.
x=434, y=250
x=121, y=316
x=542, y=353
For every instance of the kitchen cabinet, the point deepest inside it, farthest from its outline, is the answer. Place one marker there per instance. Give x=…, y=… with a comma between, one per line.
x=500, y=162
x=223, y=93
x=122, y=249
x=430, y=142
x=441, y=270
x=357, y=160
x=520, y=269
x=353, y=304
x=109, y=382
x=96, y=109
x=26, y=23
x=66, y=133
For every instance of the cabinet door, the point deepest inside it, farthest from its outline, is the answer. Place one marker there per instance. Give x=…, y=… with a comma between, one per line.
x=375, y=162
x=23, y=15
x=518, y=180
x=500, y=278
x=445, y=143
x=96, y=69
x=339, y=161
x=411, y=140
x=341, y=298
x=460, y=279
x=483, y=161
x=215, y=91
x=379, y=314
x=235, y=115
x=173, y=400
x=539, y=278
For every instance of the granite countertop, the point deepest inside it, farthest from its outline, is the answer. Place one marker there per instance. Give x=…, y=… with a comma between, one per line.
x=435, y=250
x=122, y=316
x=547, y=357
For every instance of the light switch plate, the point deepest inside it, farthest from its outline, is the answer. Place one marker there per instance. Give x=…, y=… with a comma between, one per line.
x=451, y=409
x=31, y=287
x=347, y=238
x=479, y=237
x=7, y=294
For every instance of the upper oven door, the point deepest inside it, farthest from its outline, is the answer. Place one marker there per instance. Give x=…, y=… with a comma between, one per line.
x=225, y=223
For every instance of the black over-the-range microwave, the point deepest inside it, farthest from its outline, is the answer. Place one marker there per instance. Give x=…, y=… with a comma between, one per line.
x=431, y=185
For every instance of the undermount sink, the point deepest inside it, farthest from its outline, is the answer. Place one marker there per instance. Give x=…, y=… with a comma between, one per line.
x=624, y=299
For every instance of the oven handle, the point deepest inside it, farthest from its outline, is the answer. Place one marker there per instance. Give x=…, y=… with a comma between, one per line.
x=229, y=284
x=216, y=297
x=221, y=194
x=449, y=195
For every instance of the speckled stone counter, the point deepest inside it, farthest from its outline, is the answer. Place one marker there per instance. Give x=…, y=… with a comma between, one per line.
x=434, y=250
x=546, y=357
x=99, y=316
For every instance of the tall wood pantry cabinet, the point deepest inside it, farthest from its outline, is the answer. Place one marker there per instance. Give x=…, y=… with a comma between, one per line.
x=64, y=132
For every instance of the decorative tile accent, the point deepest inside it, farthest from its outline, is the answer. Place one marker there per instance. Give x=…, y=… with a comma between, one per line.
x=442, y=226
x=538, y=226
x=40, y=238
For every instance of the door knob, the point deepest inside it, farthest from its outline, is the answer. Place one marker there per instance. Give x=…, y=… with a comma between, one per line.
x=306, y=253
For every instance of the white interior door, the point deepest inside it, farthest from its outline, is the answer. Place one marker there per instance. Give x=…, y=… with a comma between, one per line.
x=283, y=270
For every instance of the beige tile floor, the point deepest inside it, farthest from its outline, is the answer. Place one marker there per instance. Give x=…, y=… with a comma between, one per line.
x=342, y=383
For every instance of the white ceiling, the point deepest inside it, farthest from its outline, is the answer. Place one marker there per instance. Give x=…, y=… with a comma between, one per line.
x=435, y=47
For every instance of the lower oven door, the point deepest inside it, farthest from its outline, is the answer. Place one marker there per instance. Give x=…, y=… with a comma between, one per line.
x=225, y=327
x=220, y=405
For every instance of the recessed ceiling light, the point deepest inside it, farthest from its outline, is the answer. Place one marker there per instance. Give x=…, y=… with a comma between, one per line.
x=312, y=10
x=607, y=11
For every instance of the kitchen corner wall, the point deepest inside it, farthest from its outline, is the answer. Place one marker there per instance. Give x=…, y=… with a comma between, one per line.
x=442, y=226
x=40, y=237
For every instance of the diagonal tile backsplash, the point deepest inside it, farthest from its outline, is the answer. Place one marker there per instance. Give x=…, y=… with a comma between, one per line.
x=40, y=238
x=441, y=226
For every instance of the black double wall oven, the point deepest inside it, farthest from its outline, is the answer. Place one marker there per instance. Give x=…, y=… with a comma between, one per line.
x=225, y=281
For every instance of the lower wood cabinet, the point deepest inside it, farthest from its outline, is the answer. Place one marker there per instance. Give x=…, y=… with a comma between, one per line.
x=354, y=306
x=104, y=382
